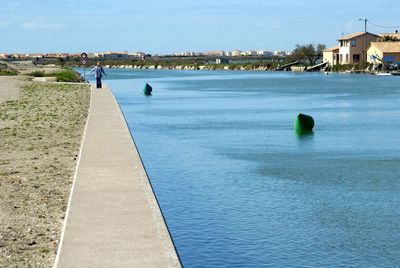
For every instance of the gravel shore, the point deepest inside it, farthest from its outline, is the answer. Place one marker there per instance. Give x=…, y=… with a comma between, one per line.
x=41, y=126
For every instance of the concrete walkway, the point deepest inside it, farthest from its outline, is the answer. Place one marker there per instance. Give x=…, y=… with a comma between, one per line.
x=113, y=219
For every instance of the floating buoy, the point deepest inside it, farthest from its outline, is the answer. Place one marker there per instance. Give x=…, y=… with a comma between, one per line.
x=303, y=122
x=147, y=90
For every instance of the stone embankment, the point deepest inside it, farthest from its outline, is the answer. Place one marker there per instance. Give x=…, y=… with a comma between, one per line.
x=191, y=67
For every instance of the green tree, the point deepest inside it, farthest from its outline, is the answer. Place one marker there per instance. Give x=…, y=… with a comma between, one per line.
x=308, y=53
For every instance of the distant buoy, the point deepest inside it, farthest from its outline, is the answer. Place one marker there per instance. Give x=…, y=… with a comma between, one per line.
x=303, y=122
x=147, y=90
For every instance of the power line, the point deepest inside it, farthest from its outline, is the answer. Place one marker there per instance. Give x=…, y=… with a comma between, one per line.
x=381, y=26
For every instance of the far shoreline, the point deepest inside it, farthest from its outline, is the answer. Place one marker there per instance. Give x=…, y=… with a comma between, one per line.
x=299, y=69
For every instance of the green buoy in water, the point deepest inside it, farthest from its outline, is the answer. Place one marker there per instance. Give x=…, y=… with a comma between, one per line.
x=147, y=90
x=303, y=122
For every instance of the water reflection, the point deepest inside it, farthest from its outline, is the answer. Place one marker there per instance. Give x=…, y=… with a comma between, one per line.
x=304, y=134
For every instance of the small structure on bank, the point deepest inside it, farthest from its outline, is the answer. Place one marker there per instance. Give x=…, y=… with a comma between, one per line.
x=286, y=67
x=317, y=67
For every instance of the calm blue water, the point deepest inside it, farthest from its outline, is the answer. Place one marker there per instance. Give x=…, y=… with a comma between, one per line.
x=239, y=188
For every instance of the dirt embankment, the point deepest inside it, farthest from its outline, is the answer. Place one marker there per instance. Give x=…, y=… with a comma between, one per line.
x=27, y=67
x=40, y=134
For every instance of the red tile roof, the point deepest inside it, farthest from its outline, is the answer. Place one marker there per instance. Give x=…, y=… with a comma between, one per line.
x=353, y=35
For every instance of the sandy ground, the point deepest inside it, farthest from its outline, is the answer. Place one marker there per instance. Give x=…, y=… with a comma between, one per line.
x=10, y=87
x=40, y=133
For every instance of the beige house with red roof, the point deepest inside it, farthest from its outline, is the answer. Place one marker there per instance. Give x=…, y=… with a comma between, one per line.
x=331, y=55
x=351, y=50
x=353, y=47
x=387, y=52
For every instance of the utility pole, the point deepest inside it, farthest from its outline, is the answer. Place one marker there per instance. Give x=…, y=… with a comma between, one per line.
x=365, y=39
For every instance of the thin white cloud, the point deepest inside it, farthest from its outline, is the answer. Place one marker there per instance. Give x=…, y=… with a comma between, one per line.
x=40, y=24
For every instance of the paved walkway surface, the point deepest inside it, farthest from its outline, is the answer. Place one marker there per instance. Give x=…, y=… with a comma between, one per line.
x=113, y=219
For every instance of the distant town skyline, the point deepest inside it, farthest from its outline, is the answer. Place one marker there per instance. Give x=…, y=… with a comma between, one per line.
x=168, y=27
x=143, y=55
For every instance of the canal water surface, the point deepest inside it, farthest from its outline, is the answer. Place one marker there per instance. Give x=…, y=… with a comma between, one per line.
x=239, y=188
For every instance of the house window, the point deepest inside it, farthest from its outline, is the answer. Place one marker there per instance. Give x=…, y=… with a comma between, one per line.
x=341, y=57
x=347, y=58
x=353, y=43
x=356, y=57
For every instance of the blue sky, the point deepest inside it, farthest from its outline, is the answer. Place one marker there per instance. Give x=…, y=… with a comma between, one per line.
x=167, y=26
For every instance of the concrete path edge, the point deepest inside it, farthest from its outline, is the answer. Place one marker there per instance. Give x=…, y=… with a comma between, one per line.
x=161, y=232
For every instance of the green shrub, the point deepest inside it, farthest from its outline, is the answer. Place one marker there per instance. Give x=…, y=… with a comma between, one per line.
x=363, y=66
x=349, y=67
x=342, y=67
x=68, y=75
x=37, y=74
x=65, y=75
x=8, y=72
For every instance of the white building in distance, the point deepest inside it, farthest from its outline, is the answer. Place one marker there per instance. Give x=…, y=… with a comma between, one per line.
x=236, y=53
x=137, y=54
x=265, y=53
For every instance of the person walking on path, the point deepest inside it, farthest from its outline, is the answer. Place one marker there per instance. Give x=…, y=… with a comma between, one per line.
x=98, y=73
